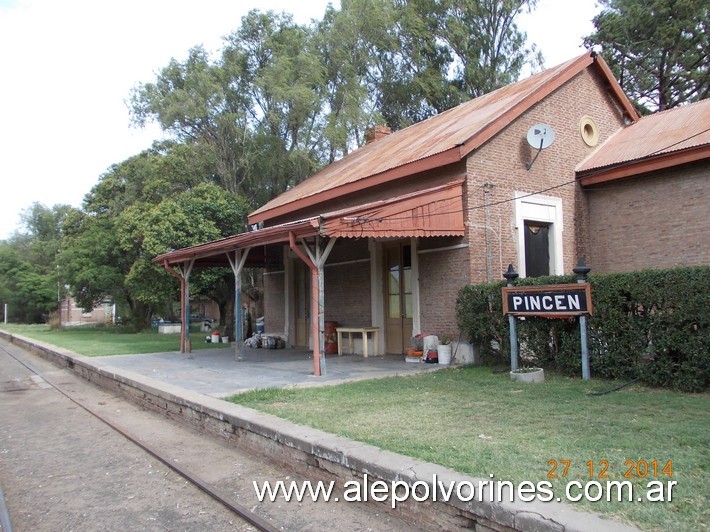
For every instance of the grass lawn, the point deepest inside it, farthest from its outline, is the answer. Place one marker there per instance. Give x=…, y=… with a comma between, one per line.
x=102, y=341
x=481, y=423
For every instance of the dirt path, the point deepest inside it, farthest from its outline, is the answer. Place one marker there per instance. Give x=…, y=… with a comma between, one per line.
x=63, y=469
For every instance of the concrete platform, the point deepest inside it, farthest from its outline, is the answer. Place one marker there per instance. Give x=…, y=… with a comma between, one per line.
x=217, y=372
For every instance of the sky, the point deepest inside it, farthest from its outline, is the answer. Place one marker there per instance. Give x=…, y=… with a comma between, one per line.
x=67, y=68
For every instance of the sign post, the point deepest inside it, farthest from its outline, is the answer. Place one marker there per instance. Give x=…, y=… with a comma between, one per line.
x=582, y=270
x=549, y=301
x=510, y=276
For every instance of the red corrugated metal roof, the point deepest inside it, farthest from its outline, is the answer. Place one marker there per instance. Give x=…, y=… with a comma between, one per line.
x=657, y=136
x=435, y=211
x=205, y=253
x=437, y=141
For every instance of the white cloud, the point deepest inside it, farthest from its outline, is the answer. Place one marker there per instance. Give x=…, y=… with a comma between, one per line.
x=68, y=66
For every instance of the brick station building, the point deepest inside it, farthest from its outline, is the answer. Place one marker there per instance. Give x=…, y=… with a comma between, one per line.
x=385, y=237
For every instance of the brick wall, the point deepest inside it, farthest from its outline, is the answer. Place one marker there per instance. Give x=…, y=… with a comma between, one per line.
x=441, y=273
x=502, y=162
x=654, y=221
x=347, y=293
x=274, y=297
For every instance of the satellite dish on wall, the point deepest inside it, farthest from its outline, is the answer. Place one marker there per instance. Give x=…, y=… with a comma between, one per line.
x=540, y=136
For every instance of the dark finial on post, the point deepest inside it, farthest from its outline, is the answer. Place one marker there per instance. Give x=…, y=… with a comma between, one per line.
x=511, y=275
x=581, y=270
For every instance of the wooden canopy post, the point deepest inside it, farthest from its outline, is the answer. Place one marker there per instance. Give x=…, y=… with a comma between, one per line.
x=185, y=270
x=315, y=261
x=184, y=293
x=314, y=302
x=319, y=258
x=237, y=264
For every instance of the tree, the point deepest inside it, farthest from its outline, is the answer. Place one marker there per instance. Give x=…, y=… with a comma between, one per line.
x=257, y=110
x=345, y=96
x=490, y=50
x=40, y=235
x=29, y=294
x=205, y=213
x=284, y=99
x=657, y=49
x=392, y=54
x=94, y=265
x=418, y=58
x=147, y=205
x=29, y=275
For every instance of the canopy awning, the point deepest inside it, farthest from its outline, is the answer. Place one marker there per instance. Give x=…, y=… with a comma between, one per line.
x=434, y=211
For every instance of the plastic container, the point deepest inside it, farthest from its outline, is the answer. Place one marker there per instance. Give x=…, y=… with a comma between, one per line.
x=444, y=354
x=431, y=342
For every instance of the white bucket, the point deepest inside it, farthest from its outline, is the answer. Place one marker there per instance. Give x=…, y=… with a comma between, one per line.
x=444, y=354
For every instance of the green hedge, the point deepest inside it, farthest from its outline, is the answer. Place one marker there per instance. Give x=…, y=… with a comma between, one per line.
x=650, y=324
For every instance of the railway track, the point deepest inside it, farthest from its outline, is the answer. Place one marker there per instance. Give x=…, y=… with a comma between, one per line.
x=212, y=491
x=207, y=481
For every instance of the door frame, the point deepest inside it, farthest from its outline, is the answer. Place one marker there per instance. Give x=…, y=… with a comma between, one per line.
x=382, y=278
x=543, y=209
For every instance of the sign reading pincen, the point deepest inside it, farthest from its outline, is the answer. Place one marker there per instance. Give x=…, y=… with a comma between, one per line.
x=550, y=301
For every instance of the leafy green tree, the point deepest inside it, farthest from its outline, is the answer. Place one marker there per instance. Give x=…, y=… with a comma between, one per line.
x=344, y=59
x=284, y=99
x=29, y=294
x=164, y=198
x=197, y=103
x=489, y=48
x=205, y=213
x=256, y=110
x=94, y=265
x=657, y=49
x=390, y=50
x=418, y=58
x=40, y=234
x=29, y=274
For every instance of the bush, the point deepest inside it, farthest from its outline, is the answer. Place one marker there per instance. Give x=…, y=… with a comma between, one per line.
x=651, y=324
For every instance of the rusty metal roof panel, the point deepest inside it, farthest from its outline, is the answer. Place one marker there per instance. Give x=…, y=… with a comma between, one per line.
x=261, y=237
x=436, y=211
x=662, y=133
x=458, y=130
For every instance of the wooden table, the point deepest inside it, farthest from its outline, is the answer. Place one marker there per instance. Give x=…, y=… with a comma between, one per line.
x=363, y=331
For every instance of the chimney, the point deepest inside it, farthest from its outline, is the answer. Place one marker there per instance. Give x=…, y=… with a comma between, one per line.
x=377, y=132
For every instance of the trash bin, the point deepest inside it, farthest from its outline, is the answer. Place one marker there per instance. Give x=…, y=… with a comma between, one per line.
x=260, y=325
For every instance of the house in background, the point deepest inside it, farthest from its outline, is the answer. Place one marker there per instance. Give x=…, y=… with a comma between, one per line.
x=71, y=314
x=385, y=237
